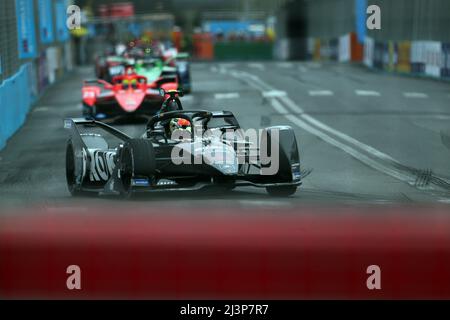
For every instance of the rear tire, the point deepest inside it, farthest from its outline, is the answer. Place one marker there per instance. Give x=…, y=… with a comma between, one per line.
x=284, y=191
x=70, y=173
x=137, y=159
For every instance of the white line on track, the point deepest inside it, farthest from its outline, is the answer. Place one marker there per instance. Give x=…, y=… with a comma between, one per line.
x=302, y=69
x=274, y=94
x=258, y=66
x=231, y=95
x=296, y=109
x=346, y=148
x=415, y=95
x=320, y=93
x=367, y=93
x=371, y=156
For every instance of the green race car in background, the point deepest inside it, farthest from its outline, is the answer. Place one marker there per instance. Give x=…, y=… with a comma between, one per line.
x=153, y=68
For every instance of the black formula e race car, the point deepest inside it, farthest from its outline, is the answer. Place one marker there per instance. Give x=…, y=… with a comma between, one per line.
x=180, y=150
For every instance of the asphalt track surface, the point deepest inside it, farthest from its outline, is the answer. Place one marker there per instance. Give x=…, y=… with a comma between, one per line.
x=368, y=138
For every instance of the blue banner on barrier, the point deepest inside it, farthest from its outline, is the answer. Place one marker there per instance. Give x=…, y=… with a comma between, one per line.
x=62, y=32
x=46, y=21
x=361, y=16
x=26, y=34
x=15, y=102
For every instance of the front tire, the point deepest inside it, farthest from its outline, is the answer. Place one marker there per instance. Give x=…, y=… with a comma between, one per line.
x=284, y=191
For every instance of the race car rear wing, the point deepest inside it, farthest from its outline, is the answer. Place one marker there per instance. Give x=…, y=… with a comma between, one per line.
x=72, y=124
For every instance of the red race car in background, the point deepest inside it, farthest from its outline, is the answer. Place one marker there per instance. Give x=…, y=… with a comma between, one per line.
x=128, y=95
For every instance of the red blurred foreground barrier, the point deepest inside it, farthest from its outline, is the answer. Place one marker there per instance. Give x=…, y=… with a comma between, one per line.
x=248, y=253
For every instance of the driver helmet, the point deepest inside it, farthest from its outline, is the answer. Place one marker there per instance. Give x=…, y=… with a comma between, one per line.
x=126, y=82
x=180, y=124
